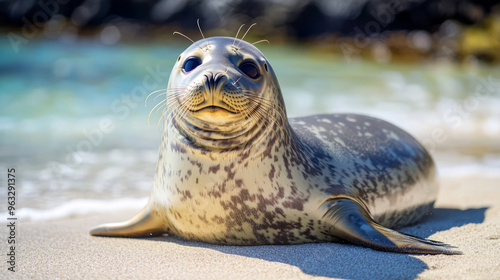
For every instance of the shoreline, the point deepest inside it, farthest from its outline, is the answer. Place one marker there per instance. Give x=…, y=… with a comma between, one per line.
x=467, y=215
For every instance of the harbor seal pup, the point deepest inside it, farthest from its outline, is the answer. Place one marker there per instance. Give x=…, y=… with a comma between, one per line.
x=233, y=169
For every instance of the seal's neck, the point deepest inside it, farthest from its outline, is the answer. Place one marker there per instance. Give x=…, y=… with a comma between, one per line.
x=224, y=145
x=230, y=136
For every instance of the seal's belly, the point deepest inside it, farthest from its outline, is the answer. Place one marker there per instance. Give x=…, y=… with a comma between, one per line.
x=245, y=216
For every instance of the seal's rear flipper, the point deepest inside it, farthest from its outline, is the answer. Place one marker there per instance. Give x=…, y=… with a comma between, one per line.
x=142, y=225
x=349, y=220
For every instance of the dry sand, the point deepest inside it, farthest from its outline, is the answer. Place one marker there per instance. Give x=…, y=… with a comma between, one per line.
x=467, y=216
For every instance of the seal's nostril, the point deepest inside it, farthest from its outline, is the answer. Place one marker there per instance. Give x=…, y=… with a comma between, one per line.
x=209, y=82
x=219, y=77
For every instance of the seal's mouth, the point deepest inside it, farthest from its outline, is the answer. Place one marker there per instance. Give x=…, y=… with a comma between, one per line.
x=214, y=109
x=217, y=115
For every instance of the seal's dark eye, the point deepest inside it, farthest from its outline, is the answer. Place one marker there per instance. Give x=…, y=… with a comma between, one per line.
x=250, y=69
x=191, y=63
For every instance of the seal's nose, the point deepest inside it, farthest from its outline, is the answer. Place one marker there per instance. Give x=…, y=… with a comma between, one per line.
x=213, y=85
x=212, y=81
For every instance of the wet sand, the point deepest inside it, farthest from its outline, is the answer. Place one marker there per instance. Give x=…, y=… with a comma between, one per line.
x=467, y=215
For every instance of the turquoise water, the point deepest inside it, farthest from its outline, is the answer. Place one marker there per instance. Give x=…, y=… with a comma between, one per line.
x=74, y=123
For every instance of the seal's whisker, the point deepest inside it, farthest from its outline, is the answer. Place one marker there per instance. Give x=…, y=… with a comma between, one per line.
x=245, y=111
x=161, y=108
x=174, y=93
x=266, y=106
x=161, y=118
x=176, y=32
x=281, y=111
x=257, y=43
x=272, y=105
x=171, y=105
x=242, y=38
x=203, y=36
x=171, y=102
x=247, y=114
x=191, y=106
x=260, y=41
x=169, y=115
x=166, y=115
x=159, y=103
x=274, y=120
x=145, y=101
x=159, y=95
x=175, y=88
x=183, y=108
x=279, y=125
x=254, y=116
x=169, y=92
x=174, y=99
x=236, y=37
x=172, y=113
x=236, y=81
x=259, y=115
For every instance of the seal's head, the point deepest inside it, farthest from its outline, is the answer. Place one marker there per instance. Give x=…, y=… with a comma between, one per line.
x=223, y=93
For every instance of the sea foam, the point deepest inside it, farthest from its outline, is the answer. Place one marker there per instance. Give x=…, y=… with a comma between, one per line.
x=78, y=207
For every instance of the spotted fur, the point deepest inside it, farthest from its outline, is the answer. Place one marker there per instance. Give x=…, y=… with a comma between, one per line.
x=243, y=174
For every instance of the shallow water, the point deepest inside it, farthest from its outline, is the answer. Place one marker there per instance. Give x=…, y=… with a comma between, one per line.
x=74, y=124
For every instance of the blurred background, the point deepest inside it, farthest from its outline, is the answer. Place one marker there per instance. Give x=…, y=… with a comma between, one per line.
x=74, y=76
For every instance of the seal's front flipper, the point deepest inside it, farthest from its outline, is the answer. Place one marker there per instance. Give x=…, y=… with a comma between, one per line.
x=349, y=220
x=143, y=224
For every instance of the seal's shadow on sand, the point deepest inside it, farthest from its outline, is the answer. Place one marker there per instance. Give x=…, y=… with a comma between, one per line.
x=349, y=261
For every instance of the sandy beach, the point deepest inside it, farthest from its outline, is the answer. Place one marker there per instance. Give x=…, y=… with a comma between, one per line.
x=467, y=215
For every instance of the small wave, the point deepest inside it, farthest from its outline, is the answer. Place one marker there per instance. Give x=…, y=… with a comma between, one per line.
x=78, y=207
x=470, y=169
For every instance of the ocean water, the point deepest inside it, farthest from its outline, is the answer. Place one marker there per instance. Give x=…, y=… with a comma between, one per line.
x=74, y=121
